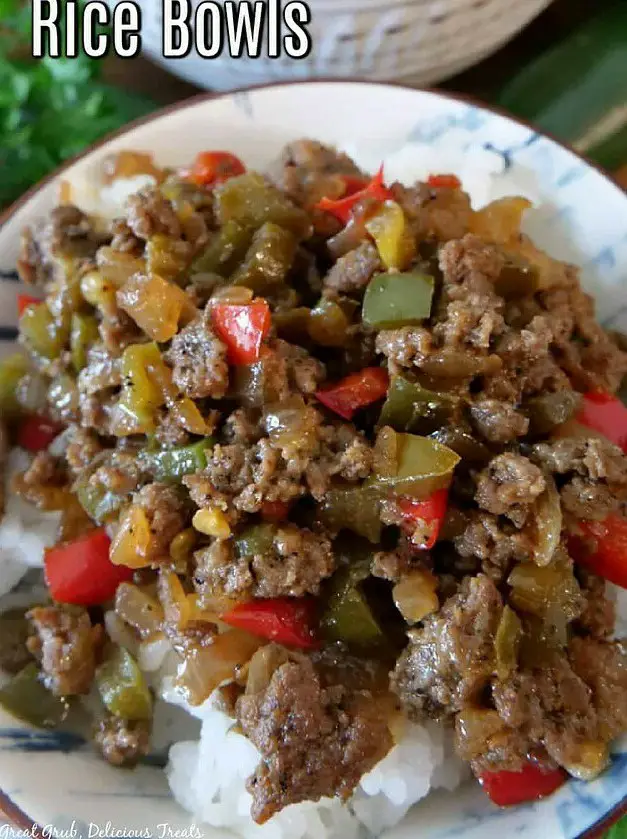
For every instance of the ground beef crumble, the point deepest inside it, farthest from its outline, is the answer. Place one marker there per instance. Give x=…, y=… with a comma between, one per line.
x=450, y=659
x=323, y=737
x=122, y=742
x=67, y=644
x=294, y=564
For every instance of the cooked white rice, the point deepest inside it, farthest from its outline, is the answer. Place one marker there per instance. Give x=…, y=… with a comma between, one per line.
x=25, y=531
x=208, y=778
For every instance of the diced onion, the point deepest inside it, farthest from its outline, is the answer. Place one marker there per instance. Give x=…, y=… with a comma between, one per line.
x=548, y=521
x=138, y=609
x=206, y=668
x=262, y=665
x=415, y=595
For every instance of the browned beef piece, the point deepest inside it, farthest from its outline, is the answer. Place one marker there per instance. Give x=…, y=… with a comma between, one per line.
x=596, y=470
x=118, y=330
x=603, y=667
x=166, y=513
x=470, y=313
x=198, y=358
x=441, y=213
x=586, y=351
x=283, y=466
x=488, y=744
x=494, y=544
x=169, y=432
x=354, y=271
x=66, y=232
x=450, y=660
x=295, y=563
x=98, y=384
x=286, y=369
x=529, y=366
x=551, y=706
x=307, y=171
x=498, y=422
x=117, y=471
x=315, y=739
x=149, y=212
x=394, y=565
x=304, y=372
x=83, y=447
x=242, y=426
x=407, y=346
x=122, y=742
x=124, y=240
x=568, y=702
x=509, y=485
x=102, y=371
x=414, y=346
x=66, y=642
x=599, y=614
x=44, y=470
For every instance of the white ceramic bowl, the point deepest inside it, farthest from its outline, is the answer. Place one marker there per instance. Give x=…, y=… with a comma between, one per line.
x=417, y=41
x=55, y=779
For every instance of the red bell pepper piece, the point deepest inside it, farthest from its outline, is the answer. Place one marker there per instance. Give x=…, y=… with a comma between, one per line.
x=353, y=184
x=275, y=510
x=605, y=413
x=36, y=433
x=432, y=511
x=81, y=572
x=343, y=207
x=242, y=327
x=26, y=300
x=530, y=784
x=214, y=167
x=287, y=620
x=447, y=181
x=355, y=391
x=602, y=547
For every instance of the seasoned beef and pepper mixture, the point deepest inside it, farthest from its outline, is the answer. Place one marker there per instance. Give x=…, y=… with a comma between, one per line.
x=352, y=448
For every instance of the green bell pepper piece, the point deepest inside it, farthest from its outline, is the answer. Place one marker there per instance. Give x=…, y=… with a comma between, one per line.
x=14, y=632
x=225, y=250
x=43, y=334
x=122, y=686
x=26, y=698
x=268, y=259
x=517, y=278
x=12, y=369
x=174, y=464
x=255, y=385
x=328, y=324
x=408, y=406
x=347, y=616
x=411, y=465
x=255, y=540
x=98, y=502
x=353, y=508
x=83, y=333
x=251, y=201
x=395, y=300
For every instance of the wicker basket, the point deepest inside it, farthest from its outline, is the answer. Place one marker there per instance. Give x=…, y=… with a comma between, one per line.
x=416, y=41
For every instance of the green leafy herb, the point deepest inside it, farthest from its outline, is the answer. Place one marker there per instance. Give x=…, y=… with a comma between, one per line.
x=50, y=109
x=619, y=831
